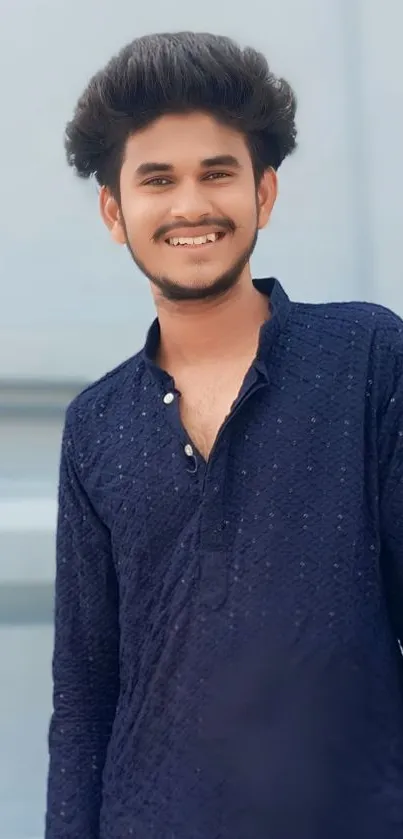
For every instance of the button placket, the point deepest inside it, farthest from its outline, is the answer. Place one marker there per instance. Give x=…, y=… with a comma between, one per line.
x=193, y=461
x=192, y=458
x=212, y=535
x=213, y=552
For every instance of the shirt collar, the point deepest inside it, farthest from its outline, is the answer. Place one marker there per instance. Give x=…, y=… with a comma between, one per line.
x=280, y=308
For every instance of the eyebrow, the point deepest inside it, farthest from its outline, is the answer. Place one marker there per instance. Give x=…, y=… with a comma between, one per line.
x=208, y=163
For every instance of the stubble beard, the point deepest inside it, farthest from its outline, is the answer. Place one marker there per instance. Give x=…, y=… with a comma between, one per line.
x=179, y=292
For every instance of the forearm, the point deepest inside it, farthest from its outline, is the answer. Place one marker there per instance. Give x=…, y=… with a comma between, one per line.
x=79, y=734
x=74, y=794
x=85, y=662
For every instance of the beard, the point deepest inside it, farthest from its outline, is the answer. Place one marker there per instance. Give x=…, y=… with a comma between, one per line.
x=180, y=292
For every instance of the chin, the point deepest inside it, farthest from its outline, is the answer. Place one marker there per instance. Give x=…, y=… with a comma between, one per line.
x=200, y=289
x=172, y=290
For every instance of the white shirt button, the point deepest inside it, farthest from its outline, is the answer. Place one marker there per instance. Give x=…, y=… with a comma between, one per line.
x=169, y=398
x=188, y=450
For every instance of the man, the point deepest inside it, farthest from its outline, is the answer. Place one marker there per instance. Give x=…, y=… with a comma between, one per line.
x=230, y=532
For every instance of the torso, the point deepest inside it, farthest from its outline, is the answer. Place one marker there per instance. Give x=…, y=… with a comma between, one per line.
x=277, y=542
x=206, y=401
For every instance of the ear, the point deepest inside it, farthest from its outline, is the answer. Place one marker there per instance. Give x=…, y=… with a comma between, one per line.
x=111, y=215
x=266, y=196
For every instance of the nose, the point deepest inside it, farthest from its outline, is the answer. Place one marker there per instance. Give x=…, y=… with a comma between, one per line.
x=190, y=201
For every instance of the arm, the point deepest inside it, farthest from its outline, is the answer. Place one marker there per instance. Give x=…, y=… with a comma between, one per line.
x=390, y=448
x=85, y=659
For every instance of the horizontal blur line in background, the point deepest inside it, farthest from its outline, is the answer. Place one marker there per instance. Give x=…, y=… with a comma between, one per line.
x=26, y=605
x=37, y=398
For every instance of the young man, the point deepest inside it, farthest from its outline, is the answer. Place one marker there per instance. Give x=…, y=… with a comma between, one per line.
x=230, y=533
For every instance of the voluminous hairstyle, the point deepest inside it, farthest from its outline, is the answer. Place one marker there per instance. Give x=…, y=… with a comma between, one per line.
x=180, y=72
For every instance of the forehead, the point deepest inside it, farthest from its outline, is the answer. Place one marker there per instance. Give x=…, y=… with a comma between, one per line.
x=185, y=139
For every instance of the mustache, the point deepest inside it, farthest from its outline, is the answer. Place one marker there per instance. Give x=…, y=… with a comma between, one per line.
x=226, y=225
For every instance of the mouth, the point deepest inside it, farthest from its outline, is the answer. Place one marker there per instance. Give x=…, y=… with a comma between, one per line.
x=204, y=241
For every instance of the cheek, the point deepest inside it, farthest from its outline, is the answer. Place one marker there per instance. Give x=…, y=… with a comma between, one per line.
x=247, y=219
x=241, y=207
x=140, y=229
x=140, y=218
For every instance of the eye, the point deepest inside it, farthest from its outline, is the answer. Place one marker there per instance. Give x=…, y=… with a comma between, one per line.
x=157, y=182
x=213, y=176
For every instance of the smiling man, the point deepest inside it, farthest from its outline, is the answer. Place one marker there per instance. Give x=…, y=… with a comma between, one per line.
x=230, y=534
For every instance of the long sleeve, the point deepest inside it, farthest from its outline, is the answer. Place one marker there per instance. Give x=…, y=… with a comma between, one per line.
x=85, y=659
x=390, y=448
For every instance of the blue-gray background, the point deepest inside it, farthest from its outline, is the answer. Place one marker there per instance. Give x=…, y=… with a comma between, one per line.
x=72, y=305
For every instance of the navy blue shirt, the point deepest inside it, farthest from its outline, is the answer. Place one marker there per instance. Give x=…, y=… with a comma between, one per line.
x=226, y=660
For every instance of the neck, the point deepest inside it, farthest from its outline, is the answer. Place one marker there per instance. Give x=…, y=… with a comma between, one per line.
x=198, y=332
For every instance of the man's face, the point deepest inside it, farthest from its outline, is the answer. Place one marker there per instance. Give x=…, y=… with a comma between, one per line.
x=190, y=209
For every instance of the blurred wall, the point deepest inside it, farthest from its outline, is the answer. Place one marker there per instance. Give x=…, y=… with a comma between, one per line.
x=72, y=304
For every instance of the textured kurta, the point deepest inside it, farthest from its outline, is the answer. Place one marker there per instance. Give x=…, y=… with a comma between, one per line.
x=226, y=662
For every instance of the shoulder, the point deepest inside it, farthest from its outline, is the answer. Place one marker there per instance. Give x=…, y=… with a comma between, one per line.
x=379, y=328
x=106, y=401
x=359, y=341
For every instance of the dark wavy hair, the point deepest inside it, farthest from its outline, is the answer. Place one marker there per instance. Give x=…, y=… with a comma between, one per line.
x=177, y=73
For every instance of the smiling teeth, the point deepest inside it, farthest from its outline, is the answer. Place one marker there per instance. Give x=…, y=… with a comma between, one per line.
x=196, y=240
